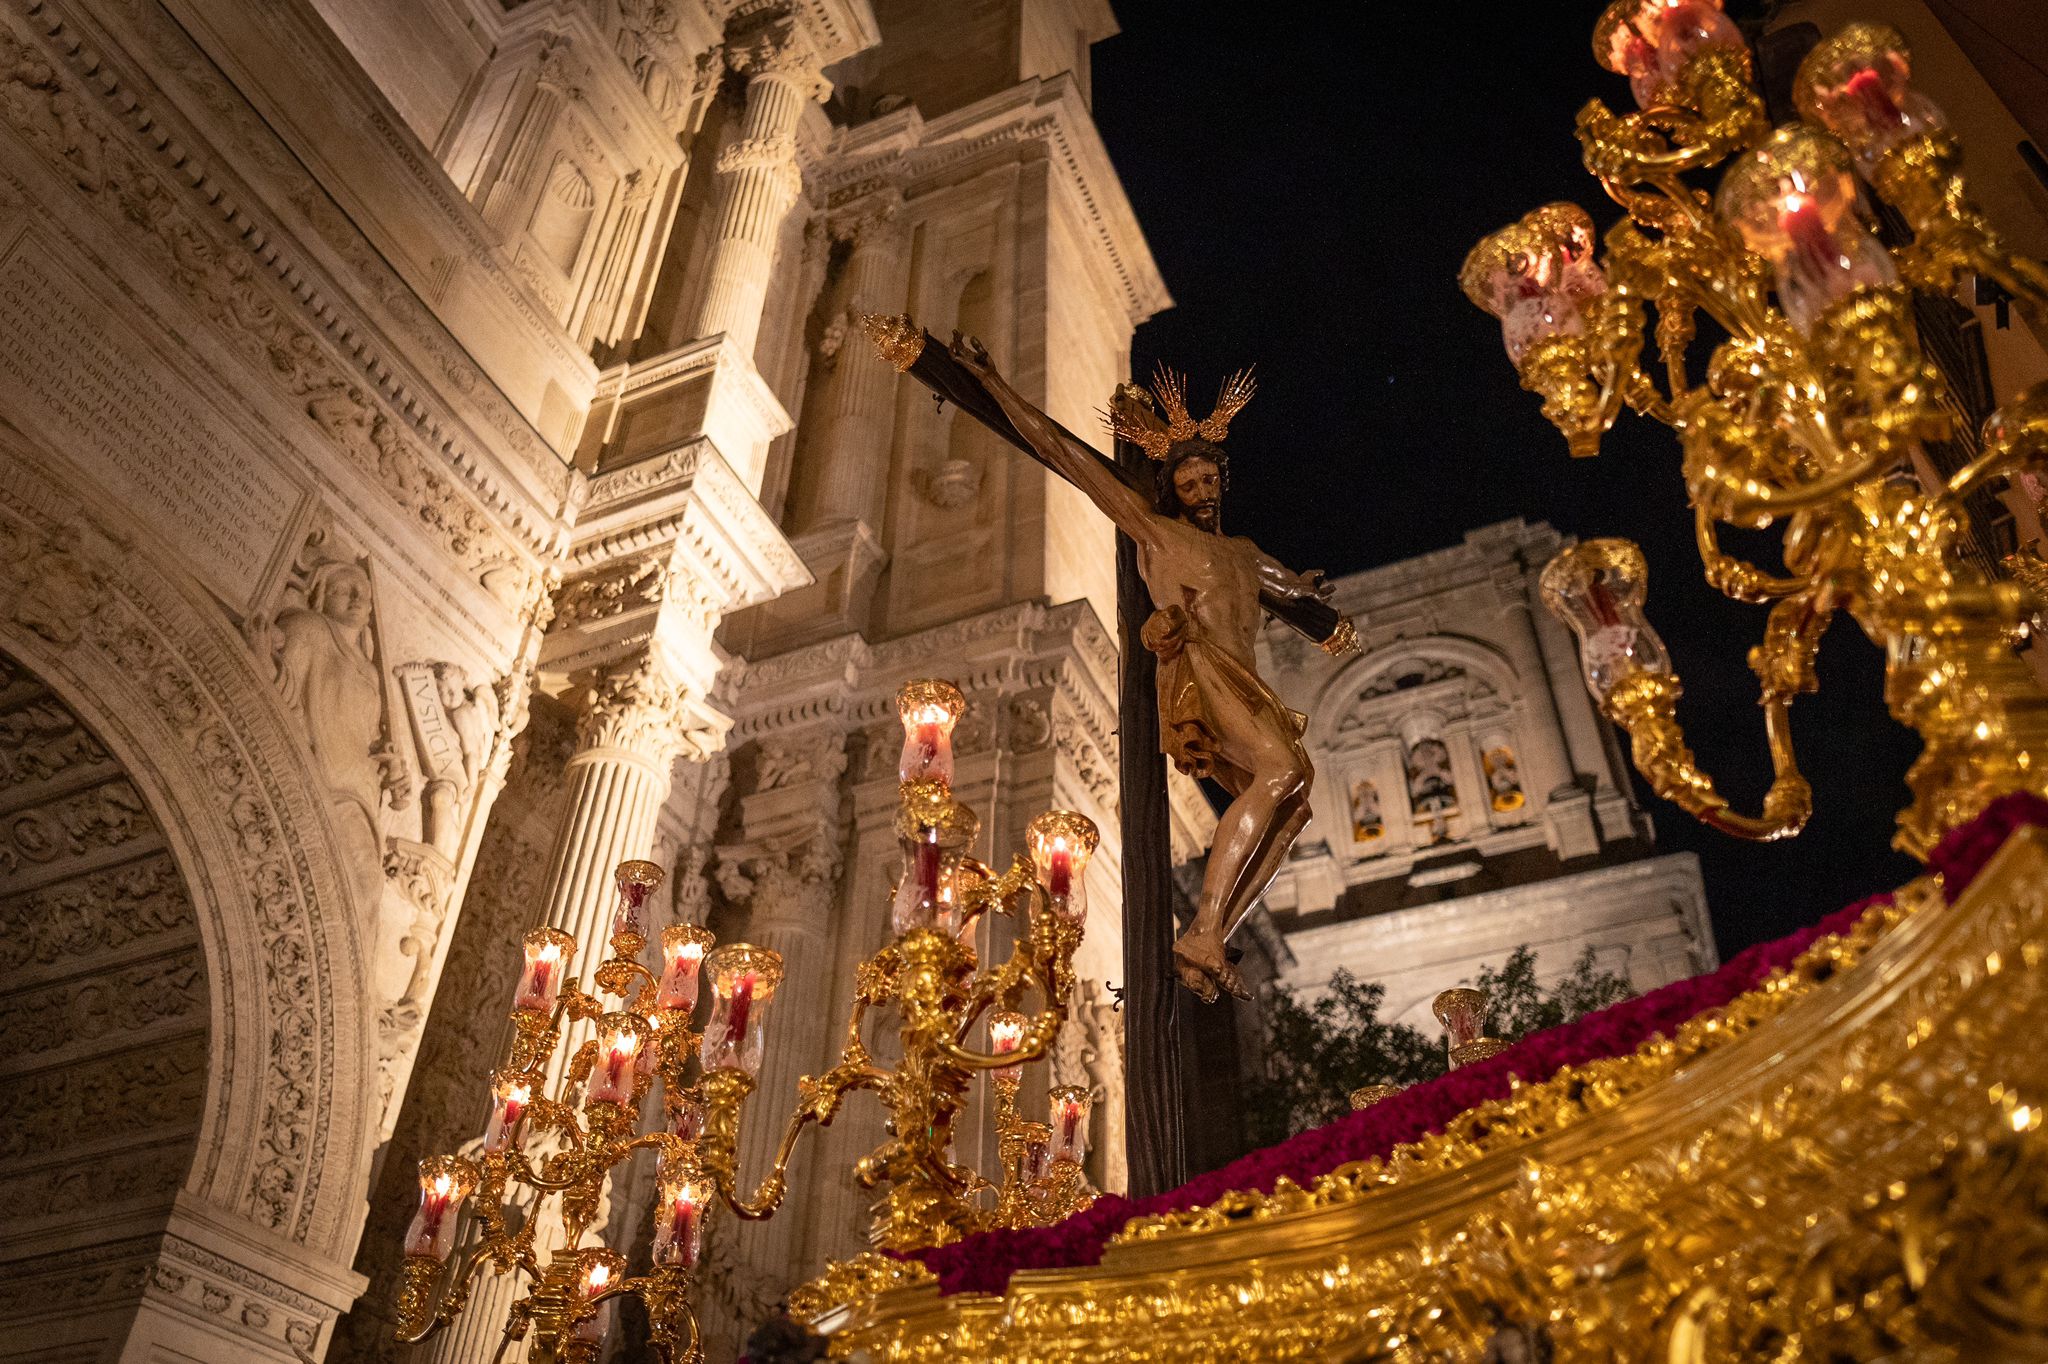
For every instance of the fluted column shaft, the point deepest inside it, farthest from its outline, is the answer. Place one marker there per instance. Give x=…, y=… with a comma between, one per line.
x=853, y=453
x=759, y=182
x=1550, y=766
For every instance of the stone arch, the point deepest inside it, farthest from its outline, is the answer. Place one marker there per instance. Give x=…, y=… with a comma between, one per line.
x=1476, y=657
x=156, y=671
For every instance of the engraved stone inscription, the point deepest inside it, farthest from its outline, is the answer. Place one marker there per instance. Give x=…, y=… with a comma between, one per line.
x=74, y=374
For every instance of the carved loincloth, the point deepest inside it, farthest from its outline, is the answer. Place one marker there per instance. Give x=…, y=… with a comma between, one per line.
x=1193, y=672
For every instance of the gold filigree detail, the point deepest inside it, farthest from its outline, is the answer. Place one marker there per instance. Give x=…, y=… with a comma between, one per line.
x=898, y=338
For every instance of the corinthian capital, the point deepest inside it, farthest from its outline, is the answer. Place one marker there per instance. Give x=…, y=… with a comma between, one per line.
x=768, y=40
x=639, y=706
x=873, y=215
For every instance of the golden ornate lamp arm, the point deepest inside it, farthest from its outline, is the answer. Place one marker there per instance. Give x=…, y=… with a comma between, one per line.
x=1735, y=577
x=1646, y=706
x=2017, y=437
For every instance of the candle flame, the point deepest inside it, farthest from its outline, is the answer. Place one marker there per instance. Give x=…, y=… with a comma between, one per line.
x=443, y=1185
x=518, y=1094
x=551, y=952
x=599, y=1276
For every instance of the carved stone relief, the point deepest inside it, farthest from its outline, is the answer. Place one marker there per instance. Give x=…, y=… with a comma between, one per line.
x=254, y=314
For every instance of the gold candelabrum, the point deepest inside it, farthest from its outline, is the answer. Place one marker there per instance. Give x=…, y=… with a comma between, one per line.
x=561, y=1153
x=1812, y=414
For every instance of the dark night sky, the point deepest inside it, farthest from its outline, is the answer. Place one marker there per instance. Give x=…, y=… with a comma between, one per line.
x=1309, y=183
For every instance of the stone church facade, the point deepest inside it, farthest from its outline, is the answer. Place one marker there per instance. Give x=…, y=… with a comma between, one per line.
x=1469, y=799
x=437, y=461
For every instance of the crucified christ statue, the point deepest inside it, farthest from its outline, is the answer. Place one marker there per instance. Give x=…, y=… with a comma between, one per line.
x=1217, y=718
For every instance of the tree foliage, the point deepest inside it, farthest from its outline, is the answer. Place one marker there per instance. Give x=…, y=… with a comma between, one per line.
x=1318, y=1051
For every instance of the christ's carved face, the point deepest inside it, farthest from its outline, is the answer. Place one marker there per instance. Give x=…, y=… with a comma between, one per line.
x=1198, y=483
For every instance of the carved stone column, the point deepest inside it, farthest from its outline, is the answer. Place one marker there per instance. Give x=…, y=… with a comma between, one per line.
x=781, y=872
x=638, y=718
x=759, y=179
x=1567, y=807
x=851, y=457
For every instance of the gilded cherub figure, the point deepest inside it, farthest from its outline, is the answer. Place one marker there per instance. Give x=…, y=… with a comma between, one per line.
x=1217, y=717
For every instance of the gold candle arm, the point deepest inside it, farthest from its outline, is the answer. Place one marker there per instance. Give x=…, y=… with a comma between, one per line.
x=1737, y=578
x=1646, y=706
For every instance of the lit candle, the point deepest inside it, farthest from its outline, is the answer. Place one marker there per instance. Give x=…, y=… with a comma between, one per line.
x=445, y=1182
x=548, y=951
x=929, y=709
x=1005, y=1035
x=598, y=1278
x=618, y=1053
x=1061, y=844
x=509, y=1096
x=682, y=949
x=679, y=1222
x=1793, y=199
x=1069, y=1105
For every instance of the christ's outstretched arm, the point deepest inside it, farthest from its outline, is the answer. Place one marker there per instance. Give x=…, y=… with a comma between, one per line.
x=1283, y=582
x=1071, y=460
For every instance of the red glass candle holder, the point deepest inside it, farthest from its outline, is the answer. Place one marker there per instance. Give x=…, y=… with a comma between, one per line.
x=683, y=1114
x=685, y=1201
x=1793, y=199
x=548, y=954
x=636, y=880
x=1006, y=1035
x=621, y=1041
x=511, y=1092
x=1536, y=275
x=1061, y=843
x=929, y=708
x=1652, y=41
x=1037, y=1152
x=682, y=956
x=1068, y=1106
x=743, y=980
x=603, y=1271
x=933, y=829
x=1859, y=86
x=445, y=1182
x=1598, y=588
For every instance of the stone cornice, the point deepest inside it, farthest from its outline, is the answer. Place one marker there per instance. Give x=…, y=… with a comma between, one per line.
x=1049, y=112
x=833, y=30
x=693, y=496
x=1479, y=558
x=1026, y=646
x=738, y=383
x=1447, y=925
